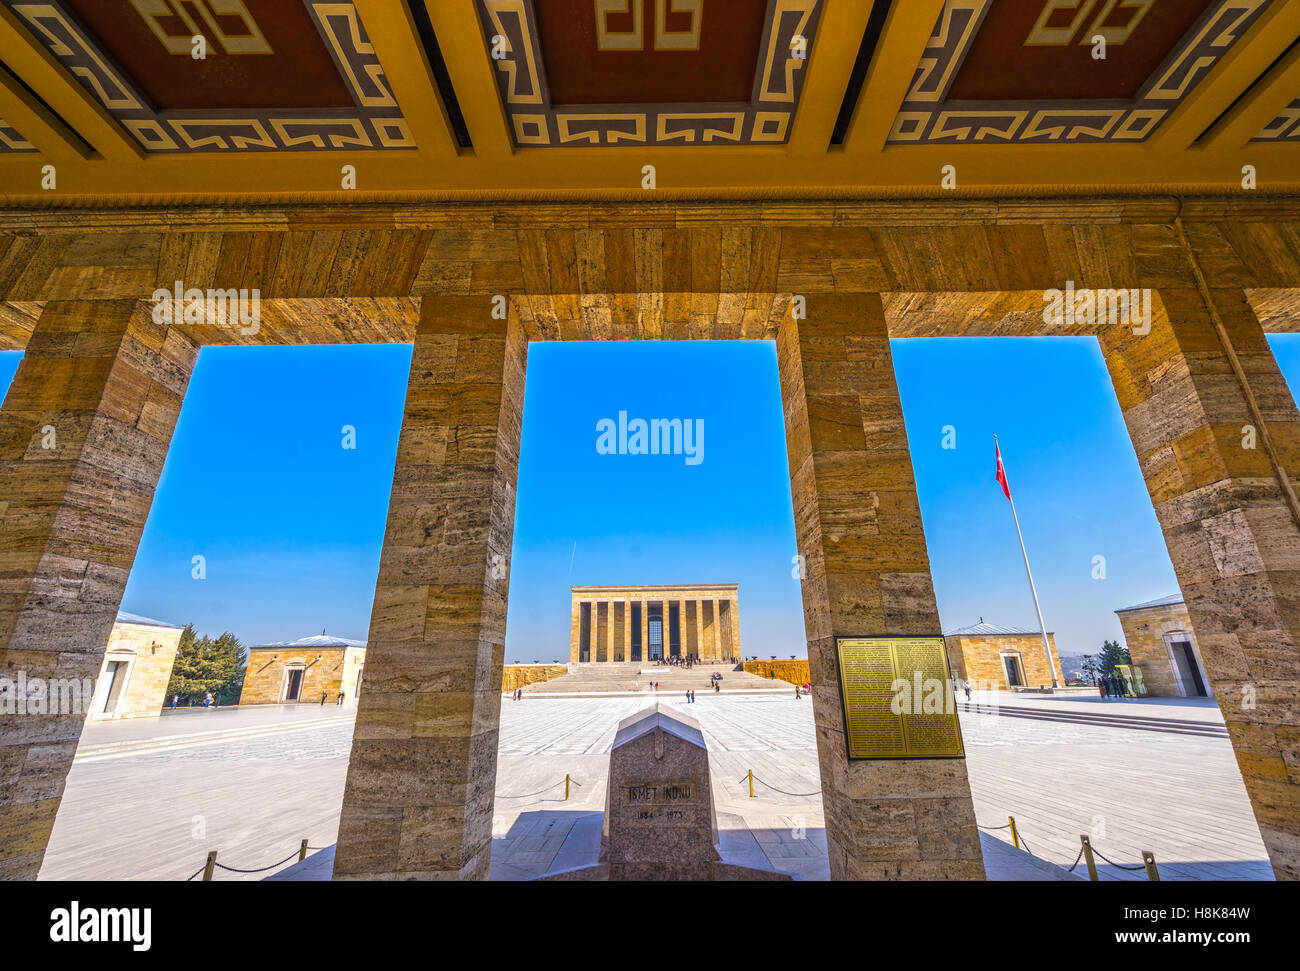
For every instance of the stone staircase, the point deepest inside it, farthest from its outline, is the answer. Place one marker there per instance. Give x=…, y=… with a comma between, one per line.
x=636, y=676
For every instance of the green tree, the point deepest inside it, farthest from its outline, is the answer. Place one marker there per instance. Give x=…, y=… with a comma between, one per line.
x=1111, y=655
x=206, y=665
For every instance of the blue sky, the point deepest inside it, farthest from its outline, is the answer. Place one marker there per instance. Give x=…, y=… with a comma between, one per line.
x=291, y=523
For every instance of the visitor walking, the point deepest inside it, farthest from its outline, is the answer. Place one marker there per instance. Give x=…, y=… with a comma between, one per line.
x=966, y=687
x=323, y=696
x=175, y=700
x=207, y=700
x=339, y=702
x=798, y=693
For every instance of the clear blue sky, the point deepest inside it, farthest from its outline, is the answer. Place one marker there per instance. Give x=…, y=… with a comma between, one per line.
x=291, y=523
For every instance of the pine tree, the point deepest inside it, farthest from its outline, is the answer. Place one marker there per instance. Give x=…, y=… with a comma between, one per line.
x=1111, y=655
x=205, y=665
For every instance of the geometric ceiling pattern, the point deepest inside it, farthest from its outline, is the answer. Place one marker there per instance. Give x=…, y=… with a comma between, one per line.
x=275, y=75
x=649, y=72
x=747, y=97
x=1025, y=71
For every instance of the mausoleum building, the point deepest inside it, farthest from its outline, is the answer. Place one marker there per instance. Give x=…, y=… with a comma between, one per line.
x=298, y=671
x=653, y=623
x=1163, y=646
x=1005, y=658
x=137, y=668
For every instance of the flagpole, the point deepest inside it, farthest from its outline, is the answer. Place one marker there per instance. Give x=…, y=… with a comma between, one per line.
x=1042, y=628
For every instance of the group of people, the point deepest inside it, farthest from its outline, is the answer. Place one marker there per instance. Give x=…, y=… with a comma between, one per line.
x=1111, y=686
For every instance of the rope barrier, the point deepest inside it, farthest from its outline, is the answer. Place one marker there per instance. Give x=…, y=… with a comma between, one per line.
x=1120, y=866
x=563, y=782
x=783, y=792
x=231, y=869
x=1076, y=861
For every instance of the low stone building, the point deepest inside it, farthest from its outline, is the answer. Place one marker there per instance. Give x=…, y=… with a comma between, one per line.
x=651, y=623
x=137, y=667
x=1006, y=658
x=298, y=671
x=1161, y=643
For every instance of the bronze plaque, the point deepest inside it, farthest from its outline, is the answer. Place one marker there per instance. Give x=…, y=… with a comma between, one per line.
x=898, y=699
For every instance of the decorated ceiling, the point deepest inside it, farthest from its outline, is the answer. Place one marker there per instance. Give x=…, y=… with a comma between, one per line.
x=473, y=93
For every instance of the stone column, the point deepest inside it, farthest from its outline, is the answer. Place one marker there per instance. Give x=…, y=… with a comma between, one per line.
x=421, y=780
x=575, y=630
x=735, y=627
x=84, y=431
x=1218, y=460
x=699, y=628
x=609, y=638
x=645, y=631
x=858, y=522
x=717, y=629
x=627, y=629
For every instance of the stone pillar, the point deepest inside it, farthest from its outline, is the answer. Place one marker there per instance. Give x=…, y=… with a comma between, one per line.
x=627, y=629
x=735, y=627
x=421, y=780
x=609, y=637
x=1220, y=497
x=699, y=628
x=645, y=631
x=84, y=431
x=575, y=630
x=717, y=629
x=858, y=522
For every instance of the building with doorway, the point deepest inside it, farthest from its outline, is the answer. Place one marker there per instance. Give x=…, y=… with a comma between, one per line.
x=137, y=667
x=299, y=671
x=651, y=623
x=1008, y=658
x=1161, y=643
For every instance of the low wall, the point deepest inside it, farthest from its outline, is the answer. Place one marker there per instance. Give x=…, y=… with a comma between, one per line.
x=515, y=676
x=796, y=671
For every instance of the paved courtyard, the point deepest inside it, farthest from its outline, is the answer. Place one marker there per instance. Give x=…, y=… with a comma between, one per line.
x=148, y=799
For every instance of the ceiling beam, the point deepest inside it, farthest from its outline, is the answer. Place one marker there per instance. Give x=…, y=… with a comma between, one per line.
x=37, y=124
x=1265, y=102
x=893, y=68
x=41, y=71
x=396, y=41
x=473, y=75
x=1240, y=68
x=830, y=65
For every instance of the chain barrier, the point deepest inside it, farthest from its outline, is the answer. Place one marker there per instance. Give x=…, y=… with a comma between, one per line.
x=211, y=864
x=566, y=782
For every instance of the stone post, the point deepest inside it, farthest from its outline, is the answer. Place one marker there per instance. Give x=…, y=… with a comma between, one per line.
x=1218, y=458
x=84, y=432
x=645, y=631
x=858, y=523
x=575, y=629
x=421, y=780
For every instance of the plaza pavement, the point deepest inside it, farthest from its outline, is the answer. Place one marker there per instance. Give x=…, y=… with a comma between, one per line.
x=147, y=799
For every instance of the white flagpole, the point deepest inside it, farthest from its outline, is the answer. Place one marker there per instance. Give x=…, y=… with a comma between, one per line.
x=1042, y=628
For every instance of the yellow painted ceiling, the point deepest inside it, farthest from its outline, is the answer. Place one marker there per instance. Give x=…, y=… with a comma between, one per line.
x=1207, y=136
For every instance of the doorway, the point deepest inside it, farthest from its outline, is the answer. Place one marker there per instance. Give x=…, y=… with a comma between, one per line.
x=1011, y=664
x=293, y=684
x=1187, y=670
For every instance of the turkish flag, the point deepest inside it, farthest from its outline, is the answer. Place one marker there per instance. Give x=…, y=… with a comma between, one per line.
x=1002, y=472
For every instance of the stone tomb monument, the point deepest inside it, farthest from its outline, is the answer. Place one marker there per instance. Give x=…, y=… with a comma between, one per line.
x=659, y=819
x=660, y=822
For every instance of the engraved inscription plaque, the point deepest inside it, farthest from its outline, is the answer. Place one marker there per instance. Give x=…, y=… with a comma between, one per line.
x=898, y=698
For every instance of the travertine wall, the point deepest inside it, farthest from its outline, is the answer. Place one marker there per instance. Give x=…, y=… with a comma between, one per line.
x=84, y=430
x=979, y=659
x=70, y=279
x=151, y=652
x=1144, y=634
x=1191, y=393
x=858, y=523
x=264, y=679
x=795, y=672
x=421, y=779
x=516, y=676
